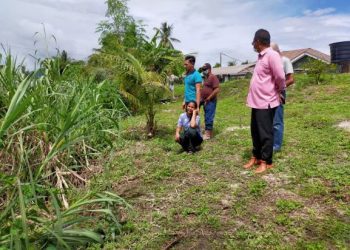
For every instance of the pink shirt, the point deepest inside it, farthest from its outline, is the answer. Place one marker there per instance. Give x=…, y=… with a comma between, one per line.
x=267, y=82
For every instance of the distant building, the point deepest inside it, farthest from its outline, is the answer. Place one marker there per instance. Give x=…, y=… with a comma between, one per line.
x=233, y=72
x=299, y=56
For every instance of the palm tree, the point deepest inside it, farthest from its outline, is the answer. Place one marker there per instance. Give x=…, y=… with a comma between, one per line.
x=164, y=33
x=140, y=86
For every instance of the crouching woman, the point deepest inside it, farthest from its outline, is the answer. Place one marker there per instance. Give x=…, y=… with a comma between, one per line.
x=188, y=133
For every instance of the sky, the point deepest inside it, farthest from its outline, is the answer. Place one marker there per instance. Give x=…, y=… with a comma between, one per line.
x=205, y=28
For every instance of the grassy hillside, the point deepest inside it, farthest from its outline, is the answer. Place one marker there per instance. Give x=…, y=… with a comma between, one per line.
x=208, y=201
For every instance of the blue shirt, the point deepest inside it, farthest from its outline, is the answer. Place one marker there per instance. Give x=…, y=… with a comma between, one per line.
x=190, y=85
x=185, y=122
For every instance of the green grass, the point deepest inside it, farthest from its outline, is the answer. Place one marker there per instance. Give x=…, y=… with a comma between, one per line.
x=208, y=201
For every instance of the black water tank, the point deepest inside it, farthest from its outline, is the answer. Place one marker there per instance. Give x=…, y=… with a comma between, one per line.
x=340, y=52
x=340, y=55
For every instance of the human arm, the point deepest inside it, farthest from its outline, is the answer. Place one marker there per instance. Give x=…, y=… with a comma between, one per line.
x=289, y=71
x=198, y=83
x=289, y=79
x=179, y=127
x=177, y=134
x=198, y=94
x=277, y=71
x=193, y=123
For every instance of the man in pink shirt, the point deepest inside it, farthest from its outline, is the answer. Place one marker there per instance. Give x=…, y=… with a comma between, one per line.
x=264, y=97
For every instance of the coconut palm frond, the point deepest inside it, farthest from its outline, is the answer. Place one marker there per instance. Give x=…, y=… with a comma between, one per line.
x=129, y=97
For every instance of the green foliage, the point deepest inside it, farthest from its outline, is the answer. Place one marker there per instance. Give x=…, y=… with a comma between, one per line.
x=210, y=200
x=287, y=206
x=50, y=131
x=10, y=76
x=257, y=187
x=164, y=34
x=232, y=63
x=283, y=220
x=161, y=59
x=140, y=86
x=138, y=67
x=118, y=19
x=40, y=225
x=316, y=69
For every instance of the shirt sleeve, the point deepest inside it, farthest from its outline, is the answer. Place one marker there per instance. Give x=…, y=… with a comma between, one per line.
x=215, y=81
x=180, y=121
x=197, y=78
x=276, y=66
x=288, y=67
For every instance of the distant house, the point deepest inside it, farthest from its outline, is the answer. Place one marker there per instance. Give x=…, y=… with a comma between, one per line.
x=233, y=72
x=299, y=56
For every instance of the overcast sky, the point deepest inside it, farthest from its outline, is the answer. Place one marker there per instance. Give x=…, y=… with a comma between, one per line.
x=206, y=27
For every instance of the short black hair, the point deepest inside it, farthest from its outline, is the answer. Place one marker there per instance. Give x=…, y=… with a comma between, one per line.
x=192, y=101
x=191, y=59
x=263, y=36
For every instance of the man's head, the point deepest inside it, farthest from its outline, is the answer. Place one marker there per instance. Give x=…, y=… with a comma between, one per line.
x=189, y=62
x=206, y=69
x=206, y=66
x=261, y=40
x=275, y=47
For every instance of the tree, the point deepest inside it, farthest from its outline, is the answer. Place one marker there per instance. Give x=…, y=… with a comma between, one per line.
x=120, y=26
x=245, y=62
x=161, y=59
x=140, y=87
x=316, y=69
x=217, y=65
x=232, y=63
x=164, y=34
x=118, y=19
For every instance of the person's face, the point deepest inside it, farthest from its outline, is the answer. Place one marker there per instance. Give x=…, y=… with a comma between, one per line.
x=190, y=108
x=255, y=44
x=206, y=72
x=188, y=65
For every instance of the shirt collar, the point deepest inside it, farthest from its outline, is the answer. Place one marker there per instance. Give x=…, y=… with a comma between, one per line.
x=263, y=52
x=191, y=72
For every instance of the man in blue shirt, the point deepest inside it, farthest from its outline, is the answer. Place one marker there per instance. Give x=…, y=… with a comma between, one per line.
x=193, y=82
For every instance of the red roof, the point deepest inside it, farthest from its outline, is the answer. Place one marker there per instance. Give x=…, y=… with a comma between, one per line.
x=295, y=55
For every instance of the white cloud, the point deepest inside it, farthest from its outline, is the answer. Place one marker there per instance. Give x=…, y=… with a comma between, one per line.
x=73, y=26
x=206, y=27
x=319, y=12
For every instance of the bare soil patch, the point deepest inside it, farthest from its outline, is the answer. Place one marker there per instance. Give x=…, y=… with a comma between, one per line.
x=344, y=125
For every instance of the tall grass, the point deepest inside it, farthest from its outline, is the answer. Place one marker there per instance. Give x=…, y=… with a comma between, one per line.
x=50, y=129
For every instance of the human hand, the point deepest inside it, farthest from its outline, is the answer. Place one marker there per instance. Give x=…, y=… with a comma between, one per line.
x=177, y=137
x=282, y=99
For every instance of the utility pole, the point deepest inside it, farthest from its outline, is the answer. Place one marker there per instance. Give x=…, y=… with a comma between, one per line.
x=223, y=54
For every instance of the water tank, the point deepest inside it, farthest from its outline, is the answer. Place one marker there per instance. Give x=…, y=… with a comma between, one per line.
x=340, y=55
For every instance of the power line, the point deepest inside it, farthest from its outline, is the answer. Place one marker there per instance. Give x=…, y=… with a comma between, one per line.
x=223, y=54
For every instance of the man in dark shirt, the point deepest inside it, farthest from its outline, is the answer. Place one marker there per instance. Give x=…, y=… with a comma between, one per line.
x=209, y=98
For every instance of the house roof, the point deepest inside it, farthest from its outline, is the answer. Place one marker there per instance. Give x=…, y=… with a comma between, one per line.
x=232, y=70
x=295, y=55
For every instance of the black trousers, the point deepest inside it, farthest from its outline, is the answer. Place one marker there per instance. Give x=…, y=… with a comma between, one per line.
x=261, y=128
x=190, y=139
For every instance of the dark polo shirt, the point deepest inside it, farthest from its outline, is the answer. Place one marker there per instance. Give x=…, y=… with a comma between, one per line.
x=211, y=83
